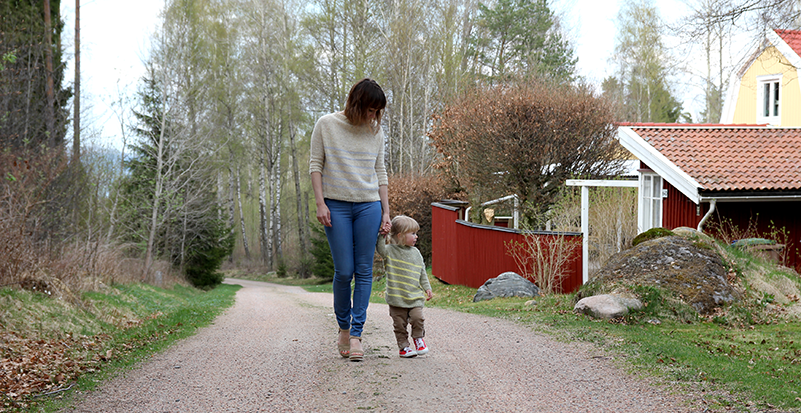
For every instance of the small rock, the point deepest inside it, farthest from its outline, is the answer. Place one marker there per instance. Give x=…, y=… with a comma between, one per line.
x=607, y=306
x=508, y=284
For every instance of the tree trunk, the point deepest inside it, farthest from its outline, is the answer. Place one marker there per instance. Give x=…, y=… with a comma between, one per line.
x=298, y=195
x=231, y=198
x=154, y=210
x=76, y=131
x=113, y=215
x=275, y=211
x=182, y=252
x=50, y=116
x=242, y=215
x=266, y=254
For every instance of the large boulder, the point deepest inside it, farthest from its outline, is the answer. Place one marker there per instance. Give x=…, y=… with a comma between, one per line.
x=692, y=270
x=508, y=284
x=607, y=306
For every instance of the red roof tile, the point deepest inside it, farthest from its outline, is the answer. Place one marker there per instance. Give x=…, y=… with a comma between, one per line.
x=792, y=38
x=731, y=158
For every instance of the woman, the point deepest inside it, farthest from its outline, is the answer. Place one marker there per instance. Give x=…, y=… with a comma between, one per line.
x=350, y=187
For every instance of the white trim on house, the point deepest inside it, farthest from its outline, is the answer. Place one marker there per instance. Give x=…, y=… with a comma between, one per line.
x=783, y=48
x=641, y=149
x=774, y=83
x=585, y=215
x=730, y=104
x=787, y=52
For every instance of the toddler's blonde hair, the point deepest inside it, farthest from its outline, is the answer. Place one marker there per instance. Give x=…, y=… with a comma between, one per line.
x=401, y=225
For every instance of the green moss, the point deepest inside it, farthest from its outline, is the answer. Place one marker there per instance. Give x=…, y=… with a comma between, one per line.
x=652, y=233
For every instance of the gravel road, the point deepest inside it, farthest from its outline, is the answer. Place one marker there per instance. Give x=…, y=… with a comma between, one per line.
x=275, y=351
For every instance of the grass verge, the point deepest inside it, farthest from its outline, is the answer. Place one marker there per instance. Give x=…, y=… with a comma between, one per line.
x=731, y=368
x=50, y=350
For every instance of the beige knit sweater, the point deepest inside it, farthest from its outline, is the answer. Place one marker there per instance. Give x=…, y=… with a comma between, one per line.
x=350, y=159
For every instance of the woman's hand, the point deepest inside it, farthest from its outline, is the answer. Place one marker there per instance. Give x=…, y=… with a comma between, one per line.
x=386, y=224
x=324, y=215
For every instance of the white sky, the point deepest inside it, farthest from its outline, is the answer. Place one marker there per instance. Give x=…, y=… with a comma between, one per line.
x=115, y=36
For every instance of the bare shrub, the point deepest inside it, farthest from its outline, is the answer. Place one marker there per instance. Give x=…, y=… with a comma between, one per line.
x=412, y=196
x=25, y=184
x=525, y=138
x=724, y=229
x=543, y=257
x=37, y=253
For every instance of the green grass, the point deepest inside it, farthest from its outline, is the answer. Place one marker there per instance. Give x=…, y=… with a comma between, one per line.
x=759, y=364
x=134, y=321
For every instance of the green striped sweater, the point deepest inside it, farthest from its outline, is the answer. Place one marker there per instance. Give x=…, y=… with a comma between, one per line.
x=407, y=280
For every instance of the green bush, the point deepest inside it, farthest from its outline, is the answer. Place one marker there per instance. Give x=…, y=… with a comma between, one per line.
x=323, y=265
x=206, y=254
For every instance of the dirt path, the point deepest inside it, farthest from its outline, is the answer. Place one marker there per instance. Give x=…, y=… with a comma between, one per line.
x=274, y=351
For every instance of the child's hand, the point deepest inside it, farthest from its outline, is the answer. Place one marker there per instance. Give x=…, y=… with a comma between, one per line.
x=429, y=295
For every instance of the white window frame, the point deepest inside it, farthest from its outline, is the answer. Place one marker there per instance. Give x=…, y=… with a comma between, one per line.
x=772, y=103
x=650, y=201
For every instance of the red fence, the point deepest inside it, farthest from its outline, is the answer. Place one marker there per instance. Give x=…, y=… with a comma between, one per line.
x=469, y=254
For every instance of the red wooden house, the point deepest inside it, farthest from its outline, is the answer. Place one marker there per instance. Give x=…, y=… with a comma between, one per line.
x=743, y=174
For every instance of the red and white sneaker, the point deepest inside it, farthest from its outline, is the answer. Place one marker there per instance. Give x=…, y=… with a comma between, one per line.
x=421, y=346
x=407, y=352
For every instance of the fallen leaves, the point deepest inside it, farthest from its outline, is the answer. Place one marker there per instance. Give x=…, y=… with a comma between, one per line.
x=33, y=366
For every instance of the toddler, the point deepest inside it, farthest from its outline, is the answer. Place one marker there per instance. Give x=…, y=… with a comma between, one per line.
x=407, y=284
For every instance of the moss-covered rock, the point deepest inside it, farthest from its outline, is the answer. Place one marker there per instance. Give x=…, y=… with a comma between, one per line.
x=696, y=276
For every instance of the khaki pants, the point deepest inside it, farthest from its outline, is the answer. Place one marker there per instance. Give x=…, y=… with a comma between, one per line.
x=401, y=318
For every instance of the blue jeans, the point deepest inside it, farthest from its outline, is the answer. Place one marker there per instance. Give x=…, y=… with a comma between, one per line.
x=352, y=237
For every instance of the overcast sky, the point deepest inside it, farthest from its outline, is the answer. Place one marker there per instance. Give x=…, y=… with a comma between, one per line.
x=115, y=37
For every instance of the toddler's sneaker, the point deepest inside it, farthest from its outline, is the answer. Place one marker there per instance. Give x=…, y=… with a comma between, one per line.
x=421, y=346
x=408, y=352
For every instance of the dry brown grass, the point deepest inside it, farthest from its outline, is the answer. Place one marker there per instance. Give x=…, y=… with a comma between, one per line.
x=613, y=220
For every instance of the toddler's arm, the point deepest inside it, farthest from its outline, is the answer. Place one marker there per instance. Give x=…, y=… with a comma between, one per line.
x=381, y=246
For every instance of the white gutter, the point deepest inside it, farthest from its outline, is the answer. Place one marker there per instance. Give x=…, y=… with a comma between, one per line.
x=712, y=204
x=759, y=198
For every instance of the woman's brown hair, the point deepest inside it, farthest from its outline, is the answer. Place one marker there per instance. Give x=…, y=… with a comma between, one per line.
x=364, y=95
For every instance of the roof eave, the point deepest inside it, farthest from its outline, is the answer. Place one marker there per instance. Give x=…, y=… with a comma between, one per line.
x=660, y=164
x=784, y=48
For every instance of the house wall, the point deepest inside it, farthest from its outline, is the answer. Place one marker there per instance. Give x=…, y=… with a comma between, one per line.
x=767, y=218
x=680, y=211
x=469, y=254
x=770, y=62
x=764, y=219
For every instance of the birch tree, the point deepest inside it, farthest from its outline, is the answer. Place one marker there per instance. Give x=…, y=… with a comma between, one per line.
x=174, y=167
x=643, y=66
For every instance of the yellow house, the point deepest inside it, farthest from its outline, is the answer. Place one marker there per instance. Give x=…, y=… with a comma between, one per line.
x=766, y=90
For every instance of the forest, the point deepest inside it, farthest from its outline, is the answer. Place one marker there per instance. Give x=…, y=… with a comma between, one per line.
x=213, y=170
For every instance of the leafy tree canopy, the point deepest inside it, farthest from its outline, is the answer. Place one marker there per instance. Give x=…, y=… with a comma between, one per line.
x=522, y=37
x=525, y=138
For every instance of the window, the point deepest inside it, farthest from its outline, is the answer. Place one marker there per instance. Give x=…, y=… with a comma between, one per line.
x=650, y=201
x=769, y=99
